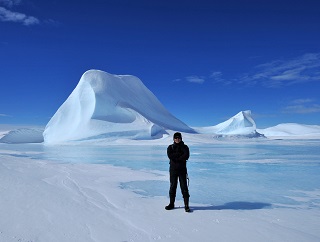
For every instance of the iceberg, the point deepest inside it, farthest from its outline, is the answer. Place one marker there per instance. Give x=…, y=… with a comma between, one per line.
x=105, y=108
x=104, y=105
x=240, y=125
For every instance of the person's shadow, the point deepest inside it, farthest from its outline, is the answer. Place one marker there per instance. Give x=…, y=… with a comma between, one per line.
x=238, y=205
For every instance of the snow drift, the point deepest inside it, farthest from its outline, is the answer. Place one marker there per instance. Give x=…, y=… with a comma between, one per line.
x=292, y=130
x=104, y=105
x=23, y=135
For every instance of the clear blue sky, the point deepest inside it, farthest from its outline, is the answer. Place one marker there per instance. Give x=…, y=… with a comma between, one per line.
x=204, y=60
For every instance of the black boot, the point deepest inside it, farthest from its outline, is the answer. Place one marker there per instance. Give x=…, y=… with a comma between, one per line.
x=169, y=207
x=186, y=204
x=171, y=204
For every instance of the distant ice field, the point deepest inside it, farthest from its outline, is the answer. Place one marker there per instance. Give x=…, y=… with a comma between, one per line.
x=226, y=175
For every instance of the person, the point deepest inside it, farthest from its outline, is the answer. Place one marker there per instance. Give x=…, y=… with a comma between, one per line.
x=178, y=154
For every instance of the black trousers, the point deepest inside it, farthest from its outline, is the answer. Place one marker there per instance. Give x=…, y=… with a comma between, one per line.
x=182, y=176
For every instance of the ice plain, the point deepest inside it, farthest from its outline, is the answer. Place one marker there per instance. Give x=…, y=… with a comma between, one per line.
x=262, y=190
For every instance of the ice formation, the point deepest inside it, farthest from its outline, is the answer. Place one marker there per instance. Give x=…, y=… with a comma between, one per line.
x=104, y=105
x=242, y=124
x=107, y=107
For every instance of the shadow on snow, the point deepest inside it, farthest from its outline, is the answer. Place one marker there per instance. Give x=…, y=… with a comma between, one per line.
x=234, y=206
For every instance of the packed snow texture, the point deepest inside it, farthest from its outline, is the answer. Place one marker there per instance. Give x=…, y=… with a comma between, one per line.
x=104, y=105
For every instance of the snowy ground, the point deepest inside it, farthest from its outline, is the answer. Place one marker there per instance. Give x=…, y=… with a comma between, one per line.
x=46, y=201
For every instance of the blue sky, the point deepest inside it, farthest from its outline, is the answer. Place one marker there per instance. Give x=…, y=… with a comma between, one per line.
x=204, y=60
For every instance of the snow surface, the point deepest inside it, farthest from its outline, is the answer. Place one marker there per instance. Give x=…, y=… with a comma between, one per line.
x=72, y=202
x=23, y=135
x=292, y=130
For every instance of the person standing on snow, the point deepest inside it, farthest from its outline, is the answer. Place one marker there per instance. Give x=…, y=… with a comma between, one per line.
x=178, y=153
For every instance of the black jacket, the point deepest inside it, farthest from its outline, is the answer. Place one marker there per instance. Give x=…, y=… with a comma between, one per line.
x=178, y=153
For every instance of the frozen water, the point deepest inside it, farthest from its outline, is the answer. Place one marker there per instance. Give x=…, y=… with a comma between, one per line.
x=225, y=175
